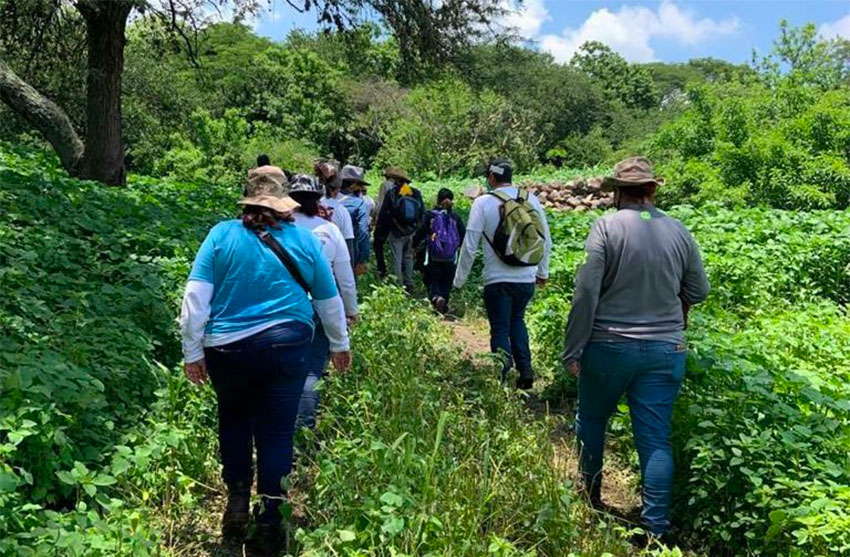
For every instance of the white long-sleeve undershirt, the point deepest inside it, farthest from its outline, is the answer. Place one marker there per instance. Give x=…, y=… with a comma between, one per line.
x=195, y=313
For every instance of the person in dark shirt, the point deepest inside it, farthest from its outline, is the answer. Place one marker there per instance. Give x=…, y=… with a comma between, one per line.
x=440, y=238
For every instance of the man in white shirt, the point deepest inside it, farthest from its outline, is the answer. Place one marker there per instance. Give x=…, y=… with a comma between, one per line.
x=507, y=289
x=327, y=172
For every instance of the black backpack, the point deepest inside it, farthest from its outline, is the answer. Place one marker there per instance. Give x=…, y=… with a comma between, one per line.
x=407, y=210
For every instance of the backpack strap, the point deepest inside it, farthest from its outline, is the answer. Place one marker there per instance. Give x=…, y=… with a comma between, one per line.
x=501, y=195
x=504, y=198
x=269, y=240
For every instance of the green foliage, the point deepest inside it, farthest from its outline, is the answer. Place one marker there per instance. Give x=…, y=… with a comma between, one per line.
x=806, y=59
x=577, y=151
x=365, y=51
x=780, y=141
x=445, y=128
x=631, y=84
x=221, y=150
x=92, y=425
x=752, y=145
x=421, y=452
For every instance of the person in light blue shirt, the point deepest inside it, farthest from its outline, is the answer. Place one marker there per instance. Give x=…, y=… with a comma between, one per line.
x=246, y=323
x=253, y=288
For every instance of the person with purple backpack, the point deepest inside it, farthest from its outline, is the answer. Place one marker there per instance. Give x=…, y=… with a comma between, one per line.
x=440, y=236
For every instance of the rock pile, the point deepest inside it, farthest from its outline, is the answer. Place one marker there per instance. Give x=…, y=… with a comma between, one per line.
x=580, y=194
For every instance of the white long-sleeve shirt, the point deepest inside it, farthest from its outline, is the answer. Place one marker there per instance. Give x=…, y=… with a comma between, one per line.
x=336, y=254
x=484, y=219
x=196, y=312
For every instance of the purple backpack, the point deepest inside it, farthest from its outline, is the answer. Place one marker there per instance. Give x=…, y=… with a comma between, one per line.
x=444, y=240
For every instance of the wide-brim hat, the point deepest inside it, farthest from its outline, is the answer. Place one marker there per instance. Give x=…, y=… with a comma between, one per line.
x=397, y=173
x=301, y=183
x=266, y=187
x=632, y=172
x=284, y=204
x=351, y=173
x=264, y=180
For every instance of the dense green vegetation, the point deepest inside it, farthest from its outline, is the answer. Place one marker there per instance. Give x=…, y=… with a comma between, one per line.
x=106, y=450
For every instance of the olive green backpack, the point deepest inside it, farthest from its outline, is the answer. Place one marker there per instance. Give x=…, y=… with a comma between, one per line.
x=520, y=239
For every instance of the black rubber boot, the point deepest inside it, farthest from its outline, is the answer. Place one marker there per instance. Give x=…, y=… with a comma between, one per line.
x=592, y=491
x=234, y=522
x=525, y=383
x=268, y=541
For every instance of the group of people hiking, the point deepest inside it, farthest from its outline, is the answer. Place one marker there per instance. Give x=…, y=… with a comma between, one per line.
x=272, y=294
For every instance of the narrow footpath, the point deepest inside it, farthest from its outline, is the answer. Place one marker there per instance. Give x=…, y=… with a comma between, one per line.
x=620, y=488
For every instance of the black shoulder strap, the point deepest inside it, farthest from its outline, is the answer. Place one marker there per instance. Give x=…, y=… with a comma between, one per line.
x=284, y=257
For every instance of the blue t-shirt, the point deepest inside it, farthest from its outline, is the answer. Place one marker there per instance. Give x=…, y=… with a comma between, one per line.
x=250, y=284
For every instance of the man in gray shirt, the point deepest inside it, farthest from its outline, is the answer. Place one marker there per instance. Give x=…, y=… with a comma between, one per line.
x=625, y=333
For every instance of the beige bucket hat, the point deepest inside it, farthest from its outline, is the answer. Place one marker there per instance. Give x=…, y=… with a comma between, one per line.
x=633, y=171
x=267, y=187
x=397, y=173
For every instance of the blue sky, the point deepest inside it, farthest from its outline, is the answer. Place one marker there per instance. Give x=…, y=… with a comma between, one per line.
x=641, y=30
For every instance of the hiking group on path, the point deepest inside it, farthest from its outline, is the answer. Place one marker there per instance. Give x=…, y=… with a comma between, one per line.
x=271, y=296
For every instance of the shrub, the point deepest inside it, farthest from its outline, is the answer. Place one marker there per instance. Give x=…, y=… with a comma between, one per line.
x=785, y=148
x=581, y=150
x=445, y=128
x=221, y=150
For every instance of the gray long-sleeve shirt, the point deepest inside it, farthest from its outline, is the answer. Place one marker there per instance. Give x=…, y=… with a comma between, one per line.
x=641, y=264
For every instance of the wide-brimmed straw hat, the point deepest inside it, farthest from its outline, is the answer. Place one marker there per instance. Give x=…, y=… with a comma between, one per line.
x=634, y=171
x=396, y=173
x=266, y=187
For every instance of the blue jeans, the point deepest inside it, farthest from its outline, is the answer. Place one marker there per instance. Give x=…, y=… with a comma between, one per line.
x=316, y=363
x=505, y=303
x=258, y=383
x=650, y=373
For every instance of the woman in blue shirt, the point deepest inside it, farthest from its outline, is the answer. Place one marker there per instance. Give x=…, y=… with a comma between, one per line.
x=246, y=324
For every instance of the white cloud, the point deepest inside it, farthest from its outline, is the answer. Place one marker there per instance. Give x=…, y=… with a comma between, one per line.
x=527, y=19
x=630, y=30
x=840, y=28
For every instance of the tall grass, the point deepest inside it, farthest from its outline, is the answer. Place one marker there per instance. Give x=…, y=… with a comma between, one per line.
x=422, y=452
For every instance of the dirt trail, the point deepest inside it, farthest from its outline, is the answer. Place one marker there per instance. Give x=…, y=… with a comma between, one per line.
x=620, y=488
x=196, y=533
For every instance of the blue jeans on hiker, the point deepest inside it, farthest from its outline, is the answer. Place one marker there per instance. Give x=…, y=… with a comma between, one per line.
x=258, y=382
x=650, y=374
x=316, y=363
x=506, y=303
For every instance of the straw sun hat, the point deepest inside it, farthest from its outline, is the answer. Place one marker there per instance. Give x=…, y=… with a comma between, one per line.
x=266, y=187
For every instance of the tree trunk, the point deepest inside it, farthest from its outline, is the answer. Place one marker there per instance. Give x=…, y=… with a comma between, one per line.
x=104, y=154
x=43, y=114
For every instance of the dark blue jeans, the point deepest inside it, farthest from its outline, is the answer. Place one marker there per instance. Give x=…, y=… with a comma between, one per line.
x=315, y=364
x=650, y=374
x=258, y=383
x=505, y=303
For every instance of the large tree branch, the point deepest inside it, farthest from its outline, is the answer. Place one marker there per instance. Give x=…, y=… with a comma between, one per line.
x=43, y=115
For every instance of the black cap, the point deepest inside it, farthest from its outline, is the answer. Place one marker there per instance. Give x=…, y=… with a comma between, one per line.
x=501, y=170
